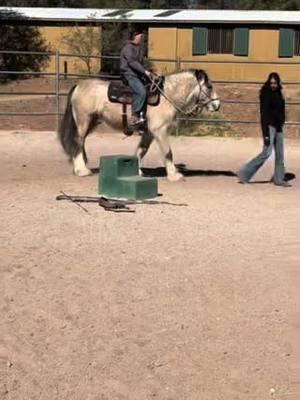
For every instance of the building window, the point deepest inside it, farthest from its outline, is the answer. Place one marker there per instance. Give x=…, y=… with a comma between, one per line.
x=220, y=40
x=297, y=43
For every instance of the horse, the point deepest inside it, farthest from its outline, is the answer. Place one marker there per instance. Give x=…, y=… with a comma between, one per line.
x=183, y=92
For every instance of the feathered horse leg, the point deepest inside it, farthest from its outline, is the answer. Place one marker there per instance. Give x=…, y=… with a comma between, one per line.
x=80, y=159
x=143, y=147
x=162, y=139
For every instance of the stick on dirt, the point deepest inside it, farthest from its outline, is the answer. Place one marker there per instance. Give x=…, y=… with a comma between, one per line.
x=77, y=204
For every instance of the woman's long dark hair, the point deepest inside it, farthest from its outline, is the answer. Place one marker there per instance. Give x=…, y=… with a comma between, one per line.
x=267, y=84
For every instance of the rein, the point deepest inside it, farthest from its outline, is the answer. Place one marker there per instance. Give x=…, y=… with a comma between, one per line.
x=165, y=96
x=197, y=106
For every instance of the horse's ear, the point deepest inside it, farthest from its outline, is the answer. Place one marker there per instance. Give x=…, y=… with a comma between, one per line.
x=200, y=74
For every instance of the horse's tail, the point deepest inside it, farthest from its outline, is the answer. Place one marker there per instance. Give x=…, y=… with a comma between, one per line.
x=68, y=132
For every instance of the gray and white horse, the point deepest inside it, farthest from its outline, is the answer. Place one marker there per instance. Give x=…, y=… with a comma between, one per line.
x=184, y=92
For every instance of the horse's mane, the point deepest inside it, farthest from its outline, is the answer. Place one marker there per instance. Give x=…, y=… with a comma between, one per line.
x=198, y=73
x=184, y=82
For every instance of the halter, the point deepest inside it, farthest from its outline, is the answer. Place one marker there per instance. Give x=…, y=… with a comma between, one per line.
x=196, y=107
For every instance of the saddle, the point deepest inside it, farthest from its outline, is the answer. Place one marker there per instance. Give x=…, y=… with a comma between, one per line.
x=120, y=92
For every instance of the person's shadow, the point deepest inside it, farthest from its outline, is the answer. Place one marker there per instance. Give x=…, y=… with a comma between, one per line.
x=289, y=176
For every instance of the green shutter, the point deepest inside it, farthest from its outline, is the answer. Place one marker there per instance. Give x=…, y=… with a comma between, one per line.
x=199, y=41
x=241, y=41
x=286, y=42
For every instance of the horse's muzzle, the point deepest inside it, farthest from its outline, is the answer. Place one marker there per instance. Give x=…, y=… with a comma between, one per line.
x=216, y=104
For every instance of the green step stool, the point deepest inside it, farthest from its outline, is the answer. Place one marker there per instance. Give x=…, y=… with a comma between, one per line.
x=119, y=179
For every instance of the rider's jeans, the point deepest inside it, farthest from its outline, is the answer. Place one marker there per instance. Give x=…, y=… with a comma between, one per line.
x=139, y=94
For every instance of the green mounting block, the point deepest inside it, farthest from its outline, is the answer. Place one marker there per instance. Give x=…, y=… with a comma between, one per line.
x=119, y=178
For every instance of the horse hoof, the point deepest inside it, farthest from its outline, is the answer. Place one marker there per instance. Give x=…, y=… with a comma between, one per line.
x=175, y=177
x=84, y=172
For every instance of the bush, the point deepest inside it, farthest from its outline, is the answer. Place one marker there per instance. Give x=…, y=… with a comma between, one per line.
x=213, y=128
x=16, y=37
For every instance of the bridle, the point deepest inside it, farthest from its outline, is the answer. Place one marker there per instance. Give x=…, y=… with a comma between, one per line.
x=198, y=107
x=209, y=100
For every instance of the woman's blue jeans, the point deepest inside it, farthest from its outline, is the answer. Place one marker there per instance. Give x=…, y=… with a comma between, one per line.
x=139, y=94
x=276, y=142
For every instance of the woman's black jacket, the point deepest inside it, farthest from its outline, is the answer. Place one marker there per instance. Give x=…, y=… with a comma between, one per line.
x=272, y=110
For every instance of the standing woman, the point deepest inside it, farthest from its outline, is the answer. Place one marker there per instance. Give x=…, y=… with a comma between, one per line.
x=272, y=118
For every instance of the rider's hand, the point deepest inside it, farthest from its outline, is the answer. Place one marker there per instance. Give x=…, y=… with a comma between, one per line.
x=150, y=75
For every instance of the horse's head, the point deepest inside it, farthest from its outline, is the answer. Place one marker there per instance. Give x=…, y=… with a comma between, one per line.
x=207, y=95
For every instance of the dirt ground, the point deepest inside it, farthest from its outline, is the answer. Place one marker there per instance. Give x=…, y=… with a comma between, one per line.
x=173, y=303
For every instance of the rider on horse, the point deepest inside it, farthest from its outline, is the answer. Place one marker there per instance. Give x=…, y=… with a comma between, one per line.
x=132, y=72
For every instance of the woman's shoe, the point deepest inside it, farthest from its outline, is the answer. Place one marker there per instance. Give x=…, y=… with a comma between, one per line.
x=241, y=180
x=283, y=184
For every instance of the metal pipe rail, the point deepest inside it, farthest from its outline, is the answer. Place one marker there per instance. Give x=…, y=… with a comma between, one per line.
x=231, y=121
x=178, y=64
x=63, y=94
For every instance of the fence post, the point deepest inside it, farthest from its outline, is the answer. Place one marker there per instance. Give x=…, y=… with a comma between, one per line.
x=57, y=87
x=178, y=64
x=65, y=70
x=177, y=68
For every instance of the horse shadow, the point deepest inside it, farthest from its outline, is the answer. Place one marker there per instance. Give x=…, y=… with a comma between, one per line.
x=161, y=172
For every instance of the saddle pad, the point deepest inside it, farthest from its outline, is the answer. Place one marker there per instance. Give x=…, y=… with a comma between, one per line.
x=118, y=92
